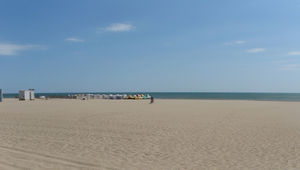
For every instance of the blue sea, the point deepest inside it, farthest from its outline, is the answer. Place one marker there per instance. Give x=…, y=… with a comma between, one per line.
x=195, y=95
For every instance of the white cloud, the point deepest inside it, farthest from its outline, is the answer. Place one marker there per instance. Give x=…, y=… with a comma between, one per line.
x=9, y=49
x=256, y=50
x=72, y=39
x=291, y=67
x=119, y=27
x=239, y=42
x=294, y=53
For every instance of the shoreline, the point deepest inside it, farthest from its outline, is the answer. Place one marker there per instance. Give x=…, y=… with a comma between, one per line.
x=234, y=100
x=249, y=100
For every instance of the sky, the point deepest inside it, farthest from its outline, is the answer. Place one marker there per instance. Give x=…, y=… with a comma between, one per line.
x=153, y=46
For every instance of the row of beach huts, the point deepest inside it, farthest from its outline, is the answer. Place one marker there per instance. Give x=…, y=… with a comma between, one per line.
x=110, y=96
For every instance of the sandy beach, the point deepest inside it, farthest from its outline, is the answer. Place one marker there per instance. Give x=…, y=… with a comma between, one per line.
x=63, y=134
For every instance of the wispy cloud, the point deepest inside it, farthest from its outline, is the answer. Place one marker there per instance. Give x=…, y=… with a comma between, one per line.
x=256, y=50
x=72, y=39
x=239, y=42
x=119, y=27
x=8, y=49
x=290, y=67
x=294, y=53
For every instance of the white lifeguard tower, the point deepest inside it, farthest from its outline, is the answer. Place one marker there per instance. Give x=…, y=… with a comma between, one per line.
x=26, y=94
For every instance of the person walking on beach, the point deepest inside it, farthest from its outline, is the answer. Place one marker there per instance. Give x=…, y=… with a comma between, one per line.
x=152, y=100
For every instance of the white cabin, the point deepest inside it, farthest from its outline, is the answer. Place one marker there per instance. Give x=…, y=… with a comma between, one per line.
x=26, y=94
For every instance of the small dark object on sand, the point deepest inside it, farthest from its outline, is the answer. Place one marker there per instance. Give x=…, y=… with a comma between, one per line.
x=152, y=100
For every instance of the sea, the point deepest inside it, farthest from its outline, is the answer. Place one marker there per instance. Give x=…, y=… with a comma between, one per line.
x=191, y=95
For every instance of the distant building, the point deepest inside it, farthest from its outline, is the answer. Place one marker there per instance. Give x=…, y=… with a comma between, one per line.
x=1, y=95
x=26, y=94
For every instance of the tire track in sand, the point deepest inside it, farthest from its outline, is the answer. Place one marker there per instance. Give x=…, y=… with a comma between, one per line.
x=4, y=165
x=49, y=159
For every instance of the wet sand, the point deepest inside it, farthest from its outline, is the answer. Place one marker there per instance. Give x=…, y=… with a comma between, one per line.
x=169, y=134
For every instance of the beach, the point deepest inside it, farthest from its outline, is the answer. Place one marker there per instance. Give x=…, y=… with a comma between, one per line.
x=63, y=134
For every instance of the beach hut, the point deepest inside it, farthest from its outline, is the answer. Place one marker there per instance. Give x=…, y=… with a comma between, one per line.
x=32, y=95
x=1, y=95
x=26, y=94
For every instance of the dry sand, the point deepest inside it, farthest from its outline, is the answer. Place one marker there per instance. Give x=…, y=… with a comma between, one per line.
x=63, y=134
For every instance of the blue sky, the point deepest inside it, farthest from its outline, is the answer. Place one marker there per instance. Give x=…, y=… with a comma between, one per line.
x=134, y=45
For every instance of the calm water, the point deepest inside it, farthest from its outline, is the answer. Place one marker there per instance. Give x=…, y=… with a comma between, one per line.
x=198, y=95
